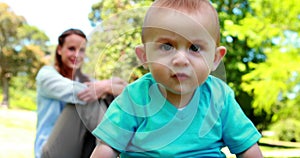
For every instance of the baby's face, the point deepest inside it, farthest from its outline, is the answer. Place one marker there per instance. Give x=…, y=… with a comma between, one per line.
x=180, y=50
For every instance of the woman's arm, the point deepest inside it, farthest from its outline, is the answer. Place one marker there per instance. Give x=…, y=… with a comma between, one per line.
x=99, y=89
x=51, y=84
x=104, y=151
x=252, y=152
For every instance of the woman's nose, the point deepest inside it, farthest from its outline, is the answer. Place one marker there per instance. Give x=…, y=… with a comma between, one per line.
x=78, y=53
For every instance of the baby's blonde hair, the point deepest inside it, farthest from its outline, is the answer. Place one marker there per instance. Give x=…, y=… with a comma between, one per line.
x=189, y=7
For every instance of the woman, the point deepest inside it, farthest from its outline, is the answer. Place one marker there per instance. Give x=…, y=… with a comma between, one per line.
x=61, y=130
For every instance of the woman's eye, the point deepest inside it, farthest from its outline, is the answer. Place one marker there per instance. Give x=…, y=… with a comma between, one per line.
x=166, y=47
x=72, y=49
x=82, y=50
x=195, y=48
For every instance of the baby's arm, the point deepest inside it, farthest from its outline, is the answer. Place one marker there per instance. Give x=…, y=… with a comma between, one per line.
x=104, y=151
x=252, y=152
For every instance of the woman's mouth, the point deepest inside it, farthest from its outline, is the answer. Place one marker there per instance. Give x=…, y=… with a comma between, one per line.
x=73, y=61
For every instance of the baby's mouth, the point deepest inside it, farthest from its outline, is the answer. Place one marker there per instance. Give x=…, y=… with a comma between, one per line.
x=180, y=76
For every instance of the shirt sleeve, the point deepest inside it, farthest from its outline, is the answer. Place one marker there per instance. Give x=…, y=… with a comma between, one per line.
x=53, y=85
x=239, y=133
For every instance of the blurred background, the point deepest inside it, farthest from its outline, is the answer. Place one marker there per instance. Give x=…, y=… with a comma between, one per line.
x=262, y=64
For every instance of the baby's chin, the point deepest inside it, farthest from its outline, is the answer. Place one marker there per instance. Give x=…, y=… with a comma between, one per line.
x=181, y=91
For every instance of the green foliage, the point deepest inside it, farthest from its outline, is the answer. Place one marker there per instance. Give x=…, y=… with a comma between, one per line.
x=237, y=49
x=111, y=47
x=239, y=54
x=274, y=84
x=267, y=22
x=22, y=49
x=9, y=23
x=24, y=99
x=32, y=35
x=23, y=95
x=1, y=96
x=106, y=8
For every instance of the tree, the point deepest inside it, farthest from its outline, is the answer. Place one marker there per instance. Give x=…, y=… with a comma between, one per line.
x=113, y=41
x=274, y=84
x=250, y=30
x=239, y=53
x=9, y=23
x=22, y=48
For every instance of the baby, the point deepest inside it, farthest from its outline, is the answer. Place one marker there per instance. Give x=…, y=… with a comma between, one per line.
x=178, y=109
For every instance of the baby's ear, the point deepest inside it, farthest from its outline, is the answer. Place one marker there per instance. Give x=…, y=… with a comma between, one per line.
x=141, y=54
x=220, y=53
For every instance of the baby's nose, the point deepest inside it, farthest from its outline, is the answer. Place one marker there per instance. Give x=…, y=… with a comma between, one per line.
x=180, y=59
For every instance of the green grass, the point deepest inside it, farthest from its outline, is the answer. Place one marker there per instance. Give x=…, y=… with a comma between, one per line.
x=274, y=148
x=17, y=133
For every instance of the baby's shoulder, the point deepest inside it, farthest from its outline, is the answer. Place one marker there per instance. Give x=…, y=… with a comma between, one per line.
x=215, y=84
x=142, y=84
x=139, y=91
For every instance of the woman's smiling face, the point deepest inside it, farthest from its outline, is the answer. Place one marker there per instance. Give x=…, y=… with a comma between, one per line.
x=73, y=51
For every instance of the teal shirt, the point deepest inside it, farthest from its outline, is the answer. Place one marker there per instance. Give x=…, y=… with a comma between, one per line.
x=53, y=92
x=142, y=123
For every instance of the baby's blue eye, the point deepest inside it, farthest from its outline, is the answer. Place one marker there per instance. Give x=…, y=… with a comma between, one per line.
x=166, y=46
x=195, y=48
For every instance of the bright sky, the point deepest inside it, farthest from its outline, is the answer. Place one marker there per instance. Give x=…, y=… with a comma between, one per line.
x=54, y=16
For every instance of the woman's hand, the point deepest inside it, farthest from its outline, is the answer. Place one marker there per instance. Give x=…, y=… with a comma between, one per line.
x=100, y=89
x=116, y=86
x=94, y=91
